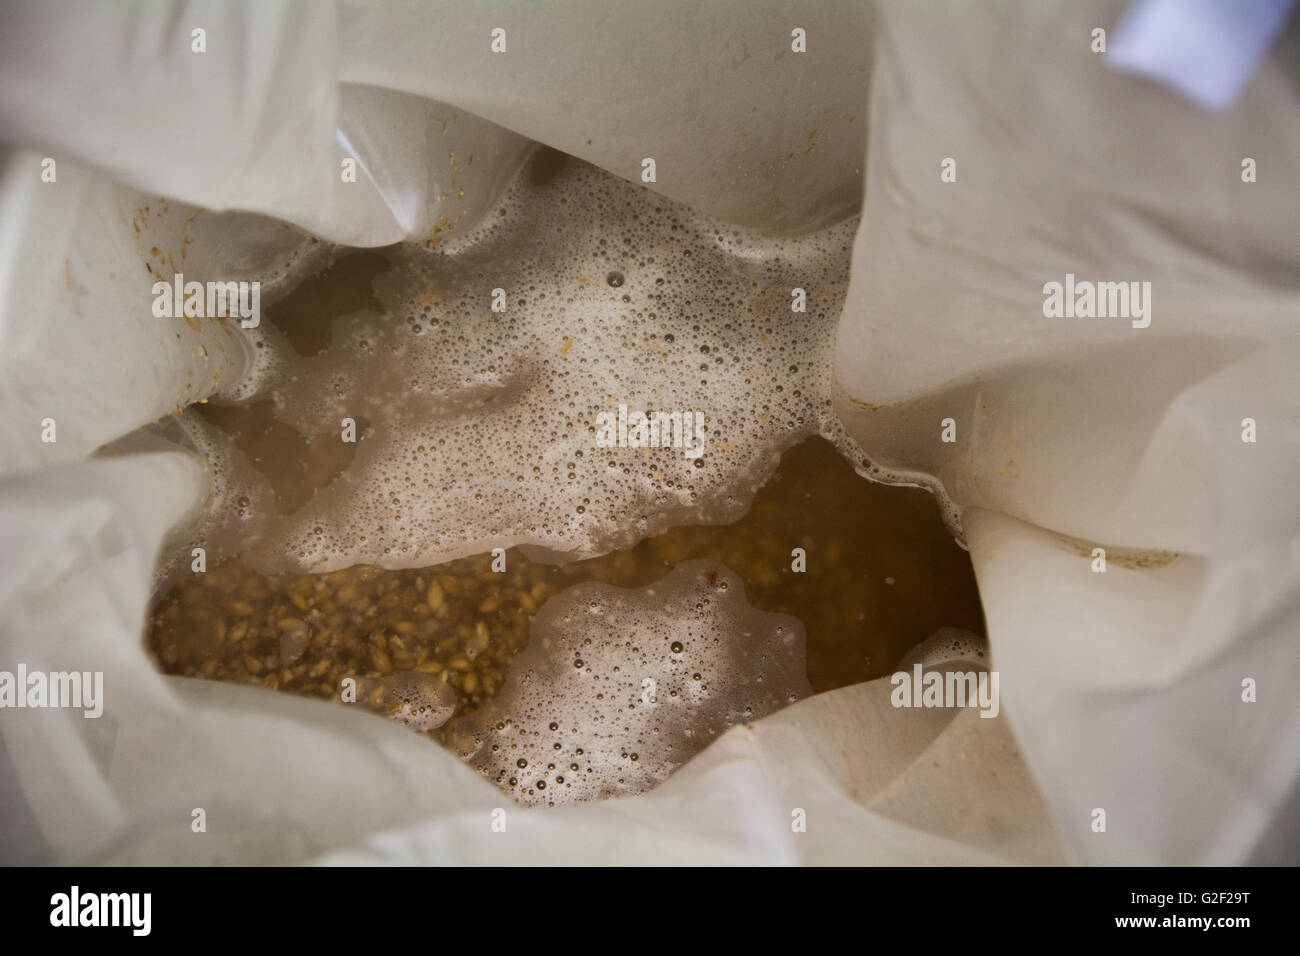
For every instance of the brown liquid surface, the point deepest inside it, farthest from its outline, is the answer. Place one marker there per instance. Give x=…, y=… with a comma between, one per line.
x=882, y=574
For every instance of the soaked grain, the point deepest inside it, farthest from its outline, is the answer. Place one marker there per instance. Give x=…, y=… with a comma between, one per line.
x=882, y=574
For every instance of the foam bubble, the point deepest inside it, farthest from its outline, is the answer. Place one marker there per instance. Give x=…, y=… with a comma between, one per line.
x=420, y=701
x=948, y=645
x=617, y=688
x=480, y=428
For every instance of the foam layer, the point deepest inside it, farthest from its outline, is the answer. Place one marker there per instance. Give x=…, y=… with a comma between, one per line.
x=617, y=688
x=420, y=701
x=948, y=645
x=479, y=429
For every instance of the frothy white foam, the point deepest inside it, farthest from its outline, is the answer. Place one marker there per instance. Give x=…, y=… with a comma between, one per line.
x=617, y=688
x=481, y=427
x=947, y=645
x=420, y=701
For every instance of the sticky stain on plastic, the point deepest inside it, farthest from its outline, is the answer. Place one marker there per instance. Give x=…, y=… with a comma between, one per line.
x=1127, y=558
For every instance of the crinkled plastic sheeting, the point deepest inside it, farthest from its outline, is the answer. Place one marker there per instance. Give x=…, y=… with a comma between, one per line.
x=1125, y=688
x=1120, y=691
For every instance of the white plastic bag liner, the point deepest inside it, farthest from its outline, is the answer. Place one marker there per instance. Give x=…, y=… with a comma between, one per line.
x=1123, y=688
